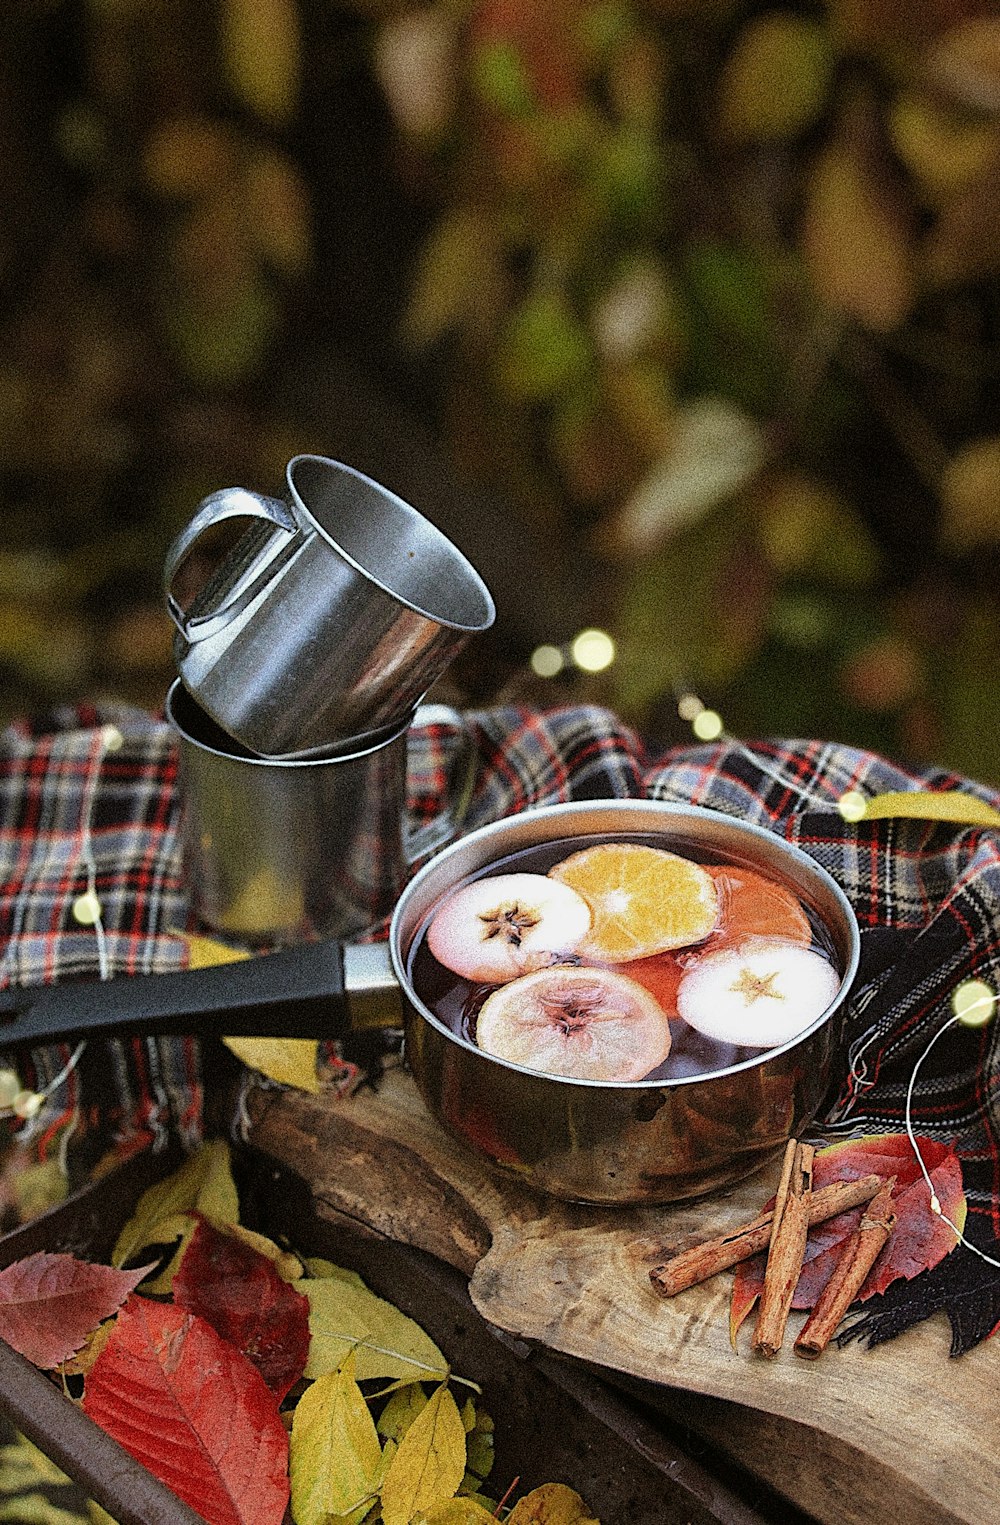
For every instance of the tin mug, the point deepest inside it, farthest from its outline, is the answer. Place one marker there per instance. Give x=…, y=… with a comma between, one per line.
x=331, y=616
x=284, y=851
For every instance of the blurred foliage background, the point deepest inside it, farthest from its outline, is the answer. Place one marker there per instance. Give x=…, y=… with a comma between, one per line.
x=682, y=316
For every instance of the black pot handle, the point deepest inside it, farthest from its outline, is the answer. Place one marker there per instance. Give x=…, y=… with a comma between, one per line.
x=295, y=993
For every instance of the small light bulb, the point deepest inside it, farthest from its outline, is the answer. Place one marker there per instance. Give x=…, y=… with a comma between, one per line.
x=547, y=661
x=707, y=725
x=973, y=1003
x=852, y=805
x=10, y=1086
x=593, y=650
x=688, y=706
x=87, y=909
x=27, y=1104
x=113, y=739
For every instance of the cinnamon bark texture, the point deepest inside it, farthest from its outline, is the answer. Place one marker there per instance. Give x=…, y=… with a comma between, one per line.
x=700, y=1261
x=856, y=1259
x=789, y=1228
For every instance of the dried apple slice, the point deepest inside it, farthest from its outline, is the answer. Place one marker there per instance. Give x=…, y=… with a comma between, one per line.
x=760, y=995
x=585, y=1023
x=492, y=930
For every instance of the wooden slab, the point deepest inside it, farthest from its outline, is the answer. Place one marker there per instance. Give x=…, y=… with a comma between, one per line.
x=901, y=1435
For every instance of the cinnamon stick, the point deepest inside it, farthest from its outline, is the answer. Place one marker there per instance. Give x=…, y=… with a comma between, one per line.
x=789, y=1228
x=700, y=1261
x=858, y=1256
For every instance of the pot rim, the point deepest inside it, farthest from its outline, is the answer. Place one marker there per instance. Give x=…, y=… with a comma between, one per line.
x=655, y=809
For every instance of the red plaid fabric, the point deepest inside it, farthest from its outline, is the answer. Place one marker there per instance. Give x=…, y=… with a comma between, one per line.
x=927, y=898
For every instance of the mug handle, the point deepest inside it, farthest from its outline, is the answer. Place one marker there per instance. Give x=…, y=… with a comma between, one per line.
x=458, y=788
x=229, y=503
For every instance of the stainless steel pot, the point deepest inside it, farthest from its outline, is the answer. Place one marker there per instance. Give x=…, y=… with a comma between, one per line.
x=595, y=1141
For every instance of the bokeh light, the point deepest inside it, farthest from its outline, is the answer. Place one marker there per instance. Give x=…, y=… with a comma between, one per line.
x=547, y=661
x=707, y=725
x=593, y=650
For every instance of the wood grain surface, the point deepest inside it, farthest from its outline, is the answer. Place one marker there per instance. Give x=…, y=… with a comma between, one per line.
x=901, y=1435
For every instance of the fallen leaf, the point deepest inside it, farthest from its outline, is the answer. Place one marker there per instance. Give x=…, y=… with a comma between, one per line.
x=460, y=1511
x=194, y=1411
x=290, y=1061
x=551, y=1504
x=401, y=1410
x=239, y=1292
x=203, y=1185
x=920, y=1240
x=346, y=1314
x=335, y=1456
x=50, y=1303
x=775, y=79
x=430, y=1462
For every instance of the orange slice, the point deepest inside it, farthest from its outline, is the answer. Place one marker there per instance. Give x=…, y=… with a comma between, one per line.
x=751, y=905
x=642, y=900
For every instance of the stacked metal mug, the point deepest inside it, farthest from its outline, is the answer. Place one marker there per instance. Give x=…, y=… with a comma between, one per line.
x=302, y=663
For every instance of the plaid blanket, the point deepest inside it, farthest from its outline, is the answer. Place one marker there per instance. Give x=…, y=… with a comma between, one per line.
x=927, y=898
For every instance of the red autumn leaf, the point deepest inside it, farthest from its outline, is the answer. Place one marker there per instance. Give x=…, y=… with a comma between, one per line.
x=194, y=1412
x=50, y=1303
x=242, y=1296
x=920, y=1239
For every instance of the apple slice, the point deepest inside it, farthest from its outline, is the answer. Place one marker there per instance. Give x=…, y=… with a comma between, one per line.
x=760, y=995
x=494, y=929
x=585, y=1023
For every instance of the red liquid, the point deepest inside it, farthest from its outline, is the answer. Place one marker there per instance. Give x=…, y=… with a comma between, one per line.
x=456, y=1001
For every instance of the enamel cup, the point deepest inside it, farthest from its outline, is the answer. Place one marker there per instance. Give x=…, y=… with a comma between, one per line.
x=331, y=616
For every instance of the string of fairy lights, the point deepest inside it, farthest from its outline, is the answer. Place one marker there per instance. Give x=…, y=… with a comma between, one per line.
x=591, y=651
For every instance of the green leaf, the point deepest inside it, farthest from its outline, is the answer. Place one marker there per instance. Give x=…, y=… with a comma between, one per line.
x=429, y=1464
x=335, y=1458
x=545, y=350
x=460, y=1511
x=344, y=1313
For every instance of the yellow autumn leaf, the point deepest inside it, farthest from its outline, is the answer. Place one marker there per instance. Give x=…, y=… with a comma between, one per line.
x=970, y=496
x=430, y=1462
x=189, y=155
x=551, y=1504
x=775, y=79
x=455, y=275
x=401, y=1410
x=965, y=63
x=343, y=1312
x=461, y=1511
x=203, y=1184
x=943, y=150
x=291, y=1061
x=205, y=952
x=855, y=243
x=335, y=1456
x=261, y=46
x=278, y=210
